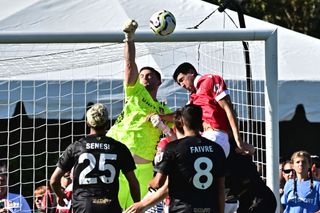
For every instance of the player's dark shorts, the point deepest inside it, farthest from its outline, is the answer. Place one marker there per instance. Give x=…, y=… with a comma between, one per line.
x=96, y=205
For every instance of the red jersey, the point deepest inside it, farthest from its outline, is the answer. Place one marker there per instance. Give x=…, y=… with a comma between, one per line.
x=209, y=90
x=67, y=208
x=160, y=148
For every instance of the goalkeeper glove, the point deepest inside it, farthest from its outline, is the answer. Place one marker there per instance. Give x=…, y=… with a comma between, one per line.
x=129, y=28
x=157, y=122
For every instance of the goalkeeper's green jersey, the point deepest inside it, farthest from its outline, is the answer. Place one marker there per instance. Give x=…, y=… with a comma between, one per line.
x=132, y=128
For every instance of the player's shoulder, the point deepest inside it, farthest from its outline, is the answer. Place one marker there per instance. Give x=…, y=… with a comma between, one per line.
x=77, y=143
x=135, y=89
x=210, y=76
x=172, y=144
x=209, y=79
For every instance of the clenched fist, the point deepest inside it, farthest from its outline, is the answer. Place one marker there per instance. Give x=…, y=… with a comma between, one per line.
x=129, y=28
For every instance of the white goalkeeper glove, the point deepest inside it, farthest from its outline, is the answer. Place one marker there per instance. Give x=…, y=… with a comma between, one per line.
x=129, y=28
x=157, y=122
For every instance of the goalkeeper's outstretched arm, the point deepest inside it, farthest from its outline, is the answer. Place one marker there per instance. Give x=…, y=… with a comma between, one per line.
x=130, y=70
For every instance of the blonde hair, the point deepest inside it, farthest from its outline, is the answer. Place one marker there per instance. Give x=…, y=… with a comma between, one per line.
x=303, y=154
x=306, y=155
x=97, y=115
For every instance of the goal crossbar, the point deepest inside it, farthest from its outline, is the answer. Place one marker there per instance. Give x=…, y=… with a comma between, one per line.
x=140, y=36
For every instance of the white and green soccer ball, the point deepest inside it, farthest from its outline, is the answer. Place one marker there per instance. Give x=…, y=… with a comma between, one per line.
x=162, y=22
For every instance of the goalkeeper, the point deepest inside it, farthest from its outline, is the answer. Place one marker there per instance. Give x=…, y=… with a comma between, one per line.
x=131, y=127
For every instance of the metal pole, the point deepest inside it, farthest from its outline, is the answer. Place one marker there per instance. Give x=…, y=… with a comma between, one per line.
x=192, y=35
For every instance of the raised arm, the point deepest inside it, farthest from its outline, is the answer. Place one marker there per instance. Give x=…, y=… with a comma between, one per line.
x=130, y=68
x=242, y=147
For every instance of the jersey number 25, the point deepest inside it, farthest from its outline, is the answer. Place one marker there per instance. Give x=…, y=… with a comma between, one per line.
x=84, y=177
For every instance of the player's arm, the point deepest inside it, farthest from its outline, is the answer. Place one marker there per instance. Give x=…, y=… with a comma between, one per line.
x=158, y=180
x=219, y=182
x=133, y=185
x=157, y=122
x=130, y=67
x=168, y=117
x=4, y=210
x=150, y=201
x=56, y=185
x=242, y=147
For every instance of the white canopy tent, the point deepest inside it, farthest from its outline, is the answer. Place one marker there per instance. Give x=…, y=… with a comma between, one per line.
x=298, y=54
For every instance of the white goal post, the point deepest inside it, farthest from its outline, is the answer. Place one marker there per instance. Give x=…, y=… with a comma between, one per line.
x=16, y=80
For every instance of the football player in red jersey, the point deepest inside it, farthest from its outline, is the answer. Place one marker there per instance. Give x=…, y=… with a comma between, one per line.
x=210, y=92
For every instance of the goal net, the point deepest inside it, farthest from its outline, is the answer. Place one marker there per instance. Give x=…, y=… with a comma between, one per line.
x=46, y=88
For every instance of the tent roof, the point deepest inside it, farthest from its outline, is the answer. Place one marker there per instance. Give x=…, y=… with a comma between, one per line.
x=82, y=15
x=298, y=54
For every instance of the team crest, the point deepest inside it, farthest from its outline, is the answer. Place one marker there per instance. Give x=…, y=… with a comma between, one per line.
x=216, y=88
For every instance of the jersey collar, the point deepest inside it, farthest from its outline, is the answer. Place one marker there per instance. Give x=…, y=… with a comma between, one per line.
x=196, y=80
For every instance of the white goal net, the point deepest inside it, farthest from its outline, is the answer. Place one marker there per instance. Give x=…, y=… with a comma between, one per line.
x=45, y=89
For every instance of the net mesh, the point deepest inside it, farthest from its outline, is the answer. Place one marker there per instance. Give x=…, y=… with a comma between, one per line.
x=45, y=90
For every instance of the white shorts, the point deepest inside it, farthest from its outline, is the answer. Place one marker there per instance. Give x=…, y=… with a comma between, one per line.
x=220, y=138
x=231, y=207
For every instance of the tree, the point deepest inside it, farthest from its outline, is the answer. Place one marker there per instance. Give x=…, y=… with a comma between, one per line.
x=301, y=16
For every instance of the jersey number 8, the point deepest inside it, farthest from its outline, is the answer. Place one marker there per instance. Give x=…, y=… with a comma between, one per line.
x=202, y=172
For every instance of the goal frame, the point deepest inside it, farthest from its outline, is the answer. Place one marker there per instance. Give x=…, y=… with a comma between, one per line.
x=269, y=36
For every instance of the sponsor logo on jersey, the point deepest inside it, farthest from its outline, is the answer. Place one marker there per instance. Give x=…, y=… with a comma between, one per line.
x=201, y=210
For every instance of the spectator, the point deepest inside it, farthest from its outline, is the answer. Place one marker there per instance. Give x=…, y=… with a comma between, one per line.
x=96, y=161
x=131, y=128
x=302, y=193
x=286, y=172
x=38, y=196
x=10, y=202
x=44, y=200
x=315, y=167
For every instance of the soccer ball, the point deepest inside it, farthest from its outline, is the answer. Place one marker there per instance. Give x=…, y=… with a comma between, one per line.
x=162, y=22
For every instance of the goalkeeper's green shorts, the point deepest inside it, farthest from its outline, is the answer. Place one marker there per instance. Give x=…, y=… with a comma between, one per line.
x=144, y=173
